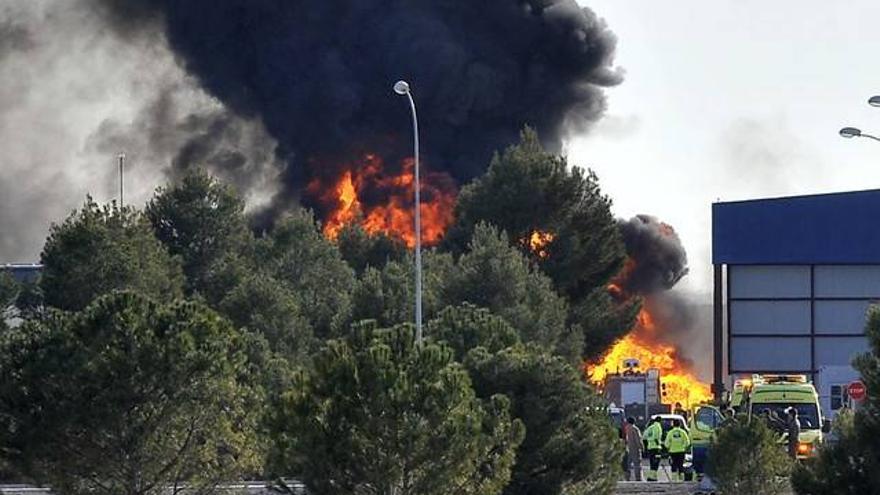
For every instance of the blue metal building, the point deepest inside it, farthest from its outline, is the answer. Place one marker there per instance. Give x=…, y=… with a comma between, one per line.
x=794, y=277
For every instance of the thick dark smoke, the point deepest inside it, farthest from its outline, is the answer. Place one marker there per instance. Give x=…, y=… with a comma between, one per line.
x=658, y=261
x=74, y=93
x=318, y=74
x=165, y=131
x=658, y=258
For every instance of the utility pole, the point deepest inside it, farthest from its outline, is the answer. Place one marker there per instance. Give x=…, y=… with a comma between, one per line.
x=121, y=179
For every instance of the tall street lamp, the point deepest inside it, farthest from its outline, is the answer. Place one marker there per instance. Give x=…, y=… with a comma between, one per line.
x=402, y=88
x=851, y=132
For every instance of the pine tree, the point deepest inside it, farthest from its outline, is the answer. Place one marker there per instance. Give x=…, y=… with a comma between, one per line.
x=202, y=221
x=99, y=249
x=746, y=458
x=128, y=397
x=380, y=414
x=570, y=447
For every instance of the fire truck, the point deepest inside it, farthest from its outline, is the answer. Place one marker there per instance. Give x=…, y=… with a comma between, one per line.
x=638, y=393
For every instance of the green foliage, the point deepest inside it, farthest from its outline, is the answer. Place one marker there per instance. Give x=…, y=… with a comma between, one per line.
x=9, y=290
x=852, y=464
x=570, y=446
x=265, y=306
x=101, y=249
x=602, y=321
x=496, y=276
x=298, y=255
x=528, y=190
x=492, y=275
x=361, y=249
x=127, y=397
x=202, y=221
x=388, y=295
x=467, y=327
x=839, y=468
x=746, y=458
x=378, y=414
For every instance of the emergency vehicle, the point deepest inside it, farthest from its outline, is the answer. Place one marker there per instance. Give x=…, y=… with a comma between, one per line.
x=703, y=420
x=774, y=395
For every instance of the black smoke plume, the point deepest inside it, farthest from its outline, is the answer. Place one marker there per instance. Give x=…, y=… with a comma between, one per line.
x=318, y=74
x=658, y=259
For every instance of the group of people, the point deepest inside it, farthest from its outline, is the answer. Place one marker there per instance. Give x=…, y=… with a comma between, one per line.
x=677, y=443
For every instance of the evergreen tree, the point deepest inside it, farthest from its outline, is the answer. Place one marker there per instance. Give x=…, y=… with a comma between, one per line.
x=602, y=321
x=264, y=305
x=361, y=249
x=127, y=397
x=466, y=327
x=202, y=221
x=496, y=276
x=747, y=458
x=558, y=218
x=379, y=414
x=570, y=446
x=101, y=249
x=527, y=190
x=298, y=255
x=9, y=290
x=387, y=295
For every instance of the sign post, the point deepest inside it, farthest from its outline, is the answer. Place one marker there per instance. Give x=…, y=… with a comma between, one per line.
x=857, y=390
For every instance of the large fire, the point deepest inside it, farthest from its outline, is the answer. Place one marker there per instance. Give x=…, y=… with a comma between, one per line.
x=643, y=343
x=391, y=212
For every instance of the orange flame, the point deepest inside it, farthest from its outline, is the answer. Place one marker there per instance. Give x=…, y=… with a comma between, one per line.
x=681, y=383
x=539, y=241
x=393, y=215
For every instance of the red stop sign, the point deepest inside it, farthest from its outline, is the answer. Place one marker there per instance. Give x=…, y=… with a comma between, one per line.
x=857, y=390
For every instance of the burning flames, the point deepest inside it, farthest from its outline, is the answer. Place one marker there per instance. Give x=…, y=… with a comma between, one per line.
x=539, y=241
x=681, y=384
x=392, y=211
x=643, y=343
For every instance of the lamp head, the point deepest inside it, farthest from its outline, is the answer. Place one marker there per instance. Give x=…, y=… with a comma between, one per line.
x=401, y=88
x=849, y=132
x=874, y=101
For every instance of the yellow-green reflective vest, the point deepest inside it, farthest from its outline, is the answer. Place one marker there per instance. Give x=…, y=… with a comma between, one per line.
x=653, y=434
x=677, y=441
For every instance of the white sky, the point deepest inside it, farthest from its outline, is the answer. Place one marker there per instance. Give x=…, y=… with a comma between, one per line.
x=734, y=100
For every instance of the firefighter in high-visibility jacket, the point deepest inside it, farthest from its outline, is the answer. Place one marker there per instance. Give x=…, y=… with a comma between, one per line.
x=653, y=436
x=677, y=443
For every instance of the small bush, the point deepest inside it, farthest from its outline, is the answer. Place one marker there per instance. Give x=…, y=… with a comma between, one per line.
x=839, y=468
x=746, y=458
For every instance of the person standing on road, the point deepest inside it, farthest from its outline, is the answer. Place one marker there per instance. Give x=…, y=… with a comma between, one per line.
x=677, y=443
x=633, y=450
x=793, y=428
x=653, y=437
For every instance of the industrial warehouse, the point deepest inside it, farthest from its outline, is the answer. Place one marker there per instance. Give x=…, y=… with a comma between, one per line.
x=794, y=277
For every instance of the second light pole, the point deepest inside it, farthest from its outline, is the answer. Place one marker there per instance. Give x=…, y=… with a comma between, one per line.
x=402, y=88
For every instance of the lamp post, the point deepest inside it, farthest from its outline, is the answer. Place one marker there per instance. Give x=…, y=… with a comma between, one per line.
x=402, y=88
x=851, y=132
x=121, y=162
